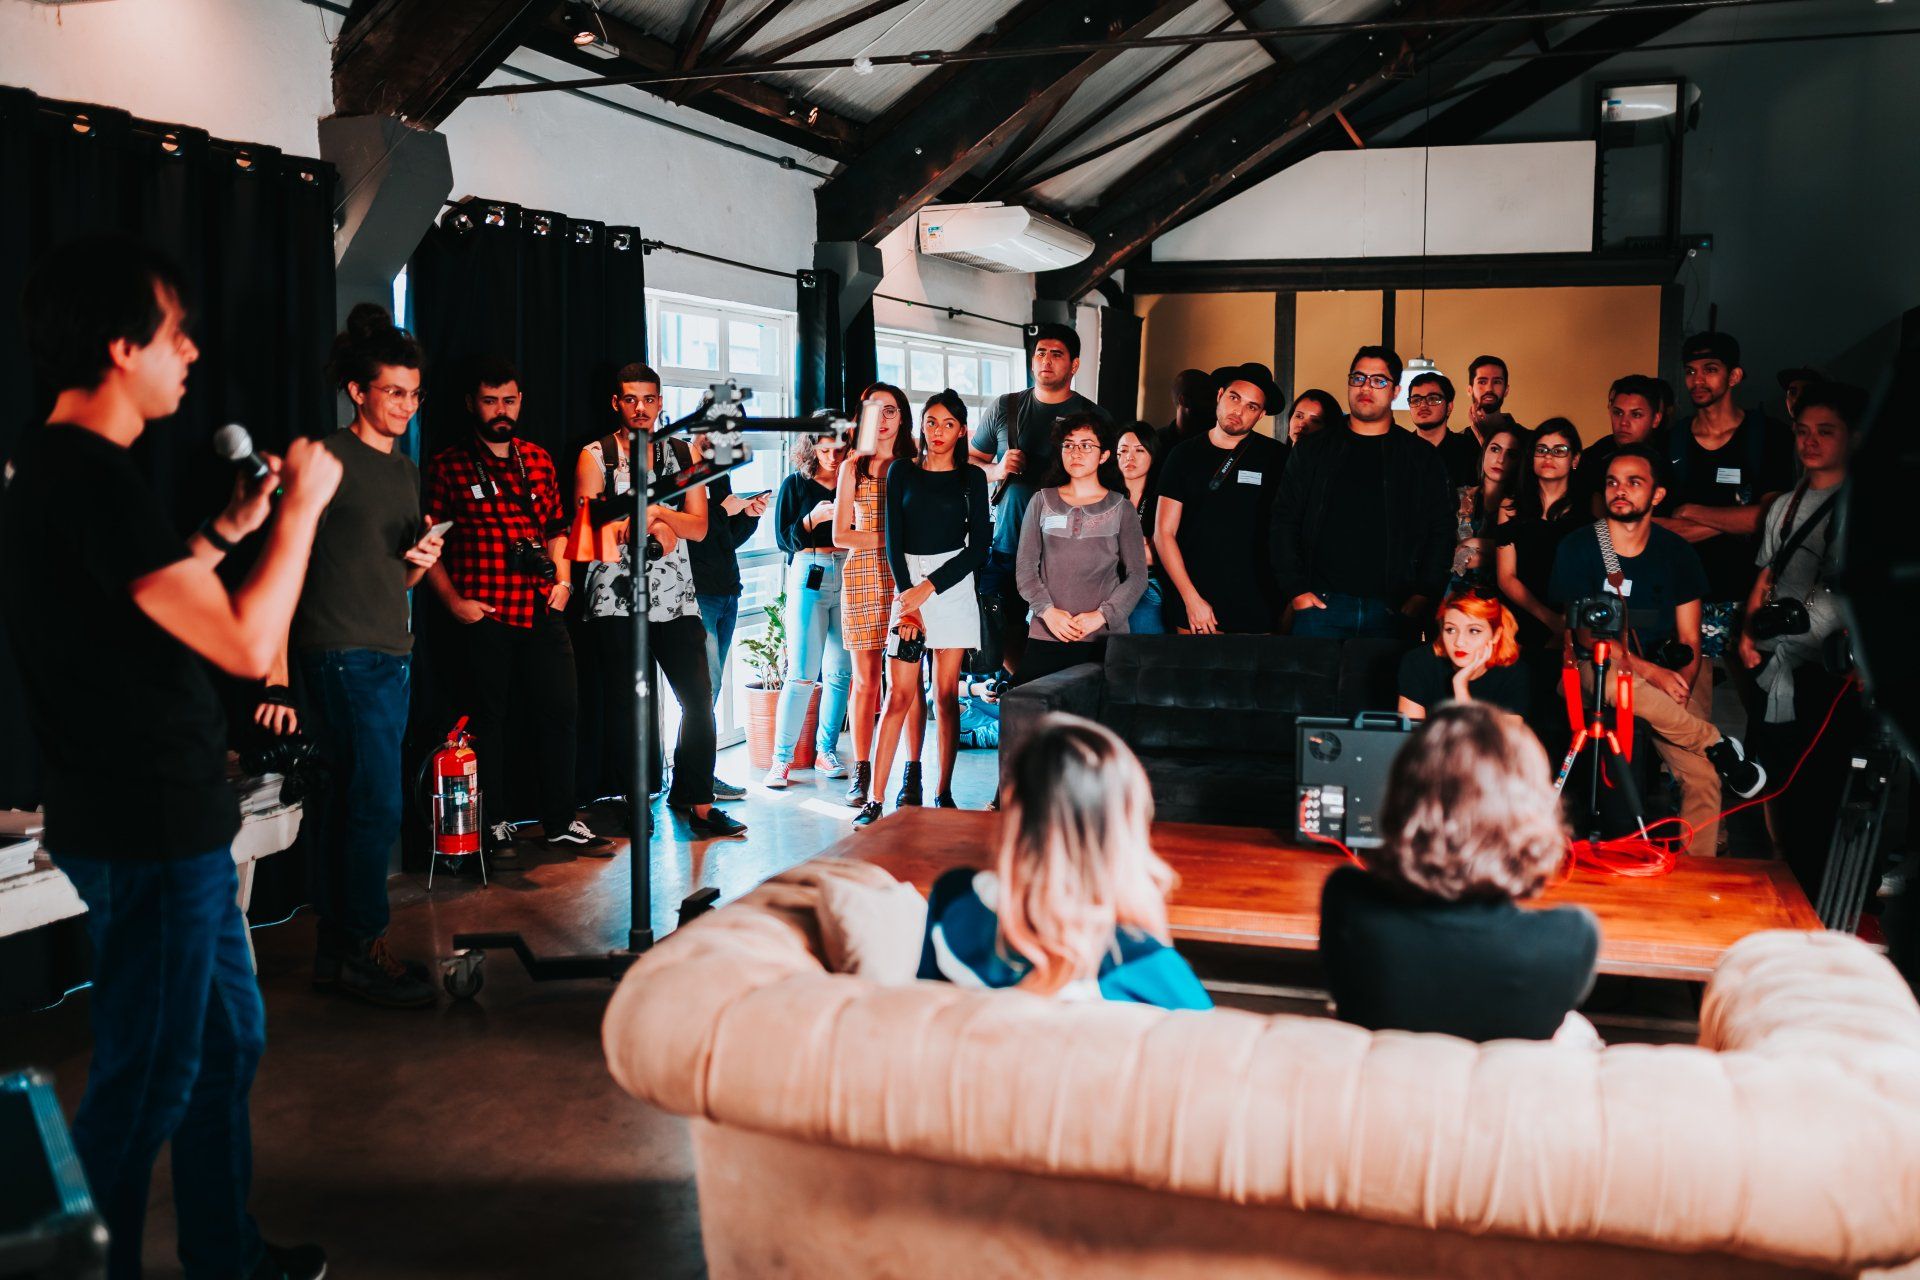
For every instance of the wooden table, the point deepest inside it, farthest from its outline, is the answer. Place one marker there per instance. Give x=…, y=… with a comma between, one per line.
x=1249, y=887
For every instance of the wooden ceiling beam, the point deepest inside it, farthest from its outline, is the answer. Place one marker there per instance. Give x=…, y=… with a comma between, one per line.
x=418, y=59
x=742, y=101
x=979, y=110
x=1262, y=121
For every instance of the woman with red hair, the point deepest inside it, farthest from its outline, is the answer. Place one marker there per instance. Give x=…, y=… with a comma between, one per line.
x=1472, y=661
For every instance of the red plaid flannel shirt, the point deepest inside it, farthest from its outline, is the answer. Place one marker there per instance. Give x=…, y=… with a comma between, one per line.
x=487, y=518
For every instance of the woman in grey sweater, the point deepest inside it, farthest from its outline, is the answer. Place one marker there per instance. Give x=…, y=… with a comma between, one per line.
x=1082, y=564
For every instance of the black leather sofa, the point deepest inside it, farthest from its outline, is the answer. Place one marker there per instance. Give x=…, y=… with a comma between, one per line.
x=1212, y=717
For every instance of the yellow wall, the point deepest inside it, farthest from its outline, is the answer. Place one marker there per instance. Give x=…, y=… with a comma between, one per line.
x=1198, y=331
x=1562, y=346
x=1327, y=329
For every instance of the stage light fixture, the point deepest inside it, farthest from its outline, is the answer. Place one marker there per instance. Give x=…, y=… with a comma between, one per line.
x=583, y=24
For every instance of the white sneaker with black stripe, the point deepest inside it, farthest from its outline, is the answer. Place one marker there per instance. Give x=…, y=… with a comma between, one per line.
x=580, y=837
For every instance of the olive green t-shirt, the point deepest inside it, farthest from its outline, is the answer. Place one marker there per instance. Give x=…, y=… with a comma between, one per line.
x=356, y=590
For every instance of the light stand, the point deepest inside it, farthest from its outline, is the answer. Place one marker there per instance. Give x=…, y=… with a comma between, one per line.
x=719, y=418
x=1592, y=732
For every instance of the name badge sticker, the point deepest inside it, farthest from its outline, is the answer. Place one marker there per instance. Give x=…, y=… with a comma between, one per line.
x=478, y=492
x=1726, y=475
x=1626, y=588
x=1053, y=524
x=1250, y=477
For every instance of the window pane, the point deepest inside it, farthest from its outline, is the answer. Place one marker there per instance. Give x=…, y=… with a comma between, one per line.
x=927, y=370
x=681, y=401
x=752, y=347
x=892, y=365
x=689, y=341
x=964, y=371
x=996, y=377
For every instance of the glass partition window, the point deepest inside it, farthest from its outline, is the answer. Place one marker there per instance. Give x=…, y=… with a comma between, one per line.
x=922, y=365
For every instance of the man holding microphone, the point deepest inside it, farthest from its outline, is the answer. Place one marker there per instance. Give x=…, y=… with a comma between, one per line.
x=113, y=617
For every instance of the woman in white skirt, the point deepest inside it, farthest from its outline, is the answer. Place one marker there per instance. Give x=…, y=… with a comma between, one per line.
x=938, y=531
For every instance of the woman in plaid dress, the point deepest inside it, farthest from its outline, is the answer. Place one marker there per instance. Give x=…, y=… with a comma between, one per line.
x=866, y=584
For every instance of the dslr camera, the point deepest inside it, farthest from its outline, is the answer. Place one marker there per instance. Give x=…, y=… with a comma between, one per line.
x=527, y=556
x=1604, y=616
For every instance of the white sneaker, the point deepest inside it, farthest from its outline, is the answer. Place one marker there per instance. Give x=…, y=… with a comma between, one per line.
x=828, y=765
x=776, y=779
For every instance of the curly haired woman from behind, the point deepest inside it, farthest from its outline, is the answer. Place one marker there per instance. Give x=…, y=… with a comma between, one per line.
x=1431, y=936
x=1076, y=905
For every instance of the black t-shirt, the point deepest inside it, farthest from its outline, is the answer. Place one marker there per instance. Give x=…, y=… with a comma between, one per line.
x=1658, y=580
x=1352, y=547
x=1226, y=505
x=1022, y=421
x=1427, y=678
x=1460, y=452
x=130, y=729
x=1536, y=541
x=1397, y=960
x=1756, y=460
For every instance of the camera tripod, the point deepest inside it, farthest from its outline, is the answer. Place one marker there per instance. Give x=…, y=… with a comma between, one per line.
x=1590, y=730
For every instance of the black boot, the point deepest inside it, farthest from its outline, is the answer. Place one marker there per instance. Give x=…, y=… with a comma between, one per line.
x=862, y=779
x=909, y=786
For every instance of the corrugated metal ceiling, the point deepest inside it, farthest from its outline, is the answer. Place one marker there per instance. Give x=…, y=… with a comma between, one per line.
x=1111, y=100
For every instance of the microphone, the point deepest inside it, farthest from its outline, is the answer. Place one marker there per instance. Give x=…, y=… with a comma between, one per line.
x=233, y=443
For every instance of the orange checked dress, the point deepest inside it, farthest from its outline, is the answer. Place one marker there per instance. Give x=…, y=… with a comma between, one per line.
x=866, y=584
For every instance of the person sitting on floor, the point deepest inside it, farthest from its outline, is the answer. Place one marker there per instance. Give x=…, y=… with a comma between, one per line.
x=1431, y=936
x=1474, y=660
x=1076, y=905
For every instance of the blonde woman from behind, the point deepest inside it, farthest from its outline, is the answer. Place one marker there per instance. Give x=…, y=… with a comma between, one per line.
x=1075, y=905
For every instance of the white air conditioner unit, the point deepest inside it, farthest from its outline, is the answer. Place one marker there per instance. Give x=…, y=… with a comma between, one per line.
x=1000, y=237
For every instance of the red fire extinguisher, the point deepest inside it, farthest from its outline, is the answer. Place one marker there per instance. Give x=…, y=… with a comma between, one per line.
x=456, y=795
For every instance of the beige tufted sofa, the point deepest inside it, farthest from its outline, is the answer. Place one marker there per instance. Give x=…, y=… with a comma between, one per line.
x=845, y=1127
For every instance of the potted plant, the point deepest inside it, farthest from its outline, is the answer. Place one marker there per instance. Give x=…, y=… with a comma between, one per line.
x=766, y=654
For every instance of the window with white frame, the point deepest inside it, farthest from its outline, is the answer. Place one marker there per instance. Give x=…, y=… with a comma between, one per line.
x=694, y=343
x=921, y=365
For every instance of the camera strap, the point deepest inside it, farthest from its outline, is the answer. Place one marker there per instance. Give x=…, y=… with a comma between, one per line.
x=523, y=497
x=1609, y=559
x=1790, y=543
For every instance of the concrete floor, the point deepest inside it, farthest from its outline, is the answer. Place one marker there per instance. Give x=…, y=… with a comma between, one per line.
x=481, y=1139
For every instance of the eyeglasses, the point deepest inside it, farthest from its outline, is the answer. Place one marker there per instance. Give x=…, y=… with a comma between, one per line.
x=1080, y=446
x=1552, y=450
x=1378, y=381
x=399, y=393
x=1433, y=401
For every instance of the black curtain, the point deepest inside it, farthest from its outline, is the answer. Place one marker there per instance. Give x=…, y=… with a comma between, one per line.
x=251, y=230
x=565, y=300
x=818, y=305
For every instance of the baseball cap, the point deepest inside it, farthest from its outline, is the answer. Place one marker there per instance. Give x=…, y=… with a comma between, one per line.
x=1712, y=345
x=1800, y=373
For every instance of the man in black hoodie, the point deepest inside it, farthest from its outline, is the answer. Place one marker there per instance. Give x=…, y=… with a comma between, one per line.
x=1363, y=528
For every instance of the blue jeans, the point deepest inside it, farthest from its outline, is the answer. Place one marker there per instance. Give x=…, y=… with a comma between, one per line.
x=178, y=1029
x=1348, y=618
x=815, y=653
x=718, y=614
x=357, y=714
x=1147, y=618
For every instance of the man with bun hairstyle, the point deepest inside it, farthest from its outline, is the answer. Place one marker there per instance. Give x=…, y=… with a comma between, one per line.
x=352, y=639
